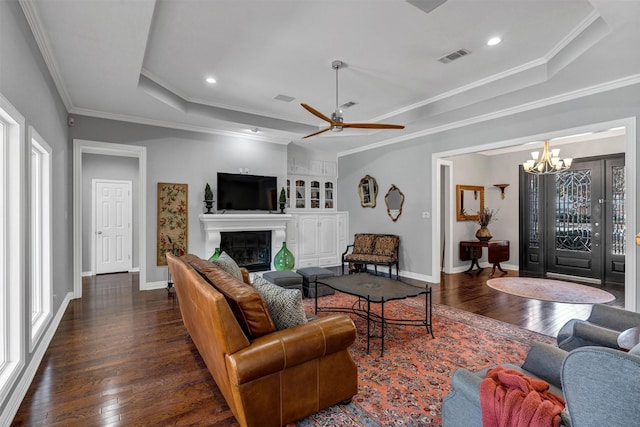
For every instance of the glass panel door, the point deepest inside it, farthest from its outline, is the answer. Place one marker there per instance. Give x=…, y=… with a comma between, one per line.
x=301, y=194
x=575, y=223
x=328, y=195
x=314, y=200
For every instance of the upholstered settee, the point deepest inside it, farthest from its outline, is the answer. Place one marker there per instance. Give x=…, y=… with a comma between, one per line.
x=599, y=385
x=268, y=377
x=601, y=328
x=375, y=249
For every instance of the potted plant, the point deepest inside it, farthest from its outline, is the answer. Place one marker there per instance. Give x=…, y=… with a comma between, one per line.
x=283, y=200
x=485, y=217
x=208, y=198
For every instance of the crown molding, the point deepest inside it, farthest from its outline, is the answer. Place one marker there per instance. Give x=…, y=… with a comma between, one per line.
x=40, y=35
x=178, y=126
x=541, y=103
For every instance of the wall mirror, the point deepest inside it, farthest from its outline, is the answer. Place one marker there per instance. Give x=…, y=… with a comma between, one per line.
x=469, y=201
x=394, y=200
x=368, y=191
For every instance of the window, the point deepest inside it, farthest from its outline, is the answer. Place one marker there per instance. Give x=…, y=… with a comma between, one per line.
x=40, y=235
x=11, y=246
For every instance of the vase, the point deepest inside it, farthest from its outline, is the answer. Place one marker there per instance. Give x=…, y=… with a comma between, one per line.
x=215, y=255
x=483, y=234
x=284, y=259
x=209, y=205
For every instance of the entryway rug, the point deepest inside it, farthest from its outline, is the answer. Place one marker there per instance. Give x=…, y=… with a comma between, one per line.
x=550, y=290
x=406, y=386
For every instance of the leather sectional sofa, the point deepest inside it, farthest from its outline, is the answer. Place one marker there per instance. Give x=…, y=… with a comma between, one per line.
x=268, y=377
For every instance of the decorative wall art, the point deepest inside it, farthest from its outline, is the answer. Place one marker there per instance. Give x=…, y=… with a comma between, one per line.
x=368, y=191
x=173, y=220
x=394, y=199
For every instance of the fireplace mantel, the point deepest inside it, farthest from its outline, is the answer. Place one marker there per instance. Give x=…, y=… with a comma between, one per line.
x=214, y=224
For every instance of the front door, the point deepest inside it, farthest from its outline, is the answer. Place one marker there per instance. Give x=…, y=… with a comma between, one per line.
x=112, y=210
x=573, y=222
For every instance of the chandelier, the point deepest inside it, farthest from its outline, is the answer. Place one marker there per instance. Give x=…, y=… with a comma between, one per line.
x=547, y=163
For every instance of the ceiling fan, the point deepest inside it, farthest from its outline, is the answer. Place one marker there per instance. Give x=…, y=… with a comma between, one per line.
x=336, y=123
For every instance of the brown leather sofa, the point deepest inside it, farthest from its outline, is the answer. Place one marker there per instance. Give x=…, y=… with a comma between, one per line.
x=268, y=377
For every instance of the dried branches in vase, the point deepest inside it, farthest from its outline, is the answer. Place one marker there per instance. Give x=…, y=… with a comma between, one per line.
x=485, y=217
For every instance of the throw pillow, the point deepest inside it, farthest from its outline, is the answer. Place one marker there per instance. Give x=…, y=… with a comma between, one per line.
x=363, y=243
x=226, y=263
x=285, y=305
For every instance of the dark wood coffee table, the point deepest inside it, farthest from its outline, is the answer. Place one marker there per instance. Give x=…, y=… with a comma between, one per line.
x=378, y=290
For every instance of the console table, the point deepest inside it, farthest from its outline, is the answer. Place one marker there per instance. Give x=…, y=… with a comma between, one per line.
x=472, y=250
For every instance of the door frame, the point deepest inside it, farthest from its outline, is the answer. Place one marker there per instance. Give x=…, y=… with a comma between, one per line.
x=94, y=213
x=81, y=146
x=631, y=287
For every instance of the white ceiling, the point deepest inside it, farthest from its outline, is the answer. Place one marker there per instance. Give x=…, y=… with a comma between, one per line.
x=146, y=61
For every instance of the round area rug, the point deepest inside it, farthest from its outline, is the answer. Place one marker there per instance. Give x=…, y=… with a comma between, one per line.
x=550, y=290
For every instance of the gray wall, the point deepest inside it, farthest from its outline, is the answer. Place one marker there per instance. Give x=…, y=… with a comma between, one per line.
x=184, y=157
x=95, y=166
x=409, y=165
x=26, y=84
x=405, y=166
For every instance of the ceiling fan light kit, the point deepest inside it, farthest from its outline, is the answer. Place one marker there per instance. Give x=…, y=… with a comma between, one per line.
x=336, y=122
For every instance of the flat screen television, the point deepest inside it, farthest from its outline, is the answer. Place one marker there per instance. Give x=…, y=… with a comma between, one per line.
x=240, y=192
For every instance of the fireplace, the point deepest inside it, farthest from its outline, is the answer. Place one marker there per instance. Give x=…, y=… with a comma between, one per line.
x=214, y=225
x=249, y=249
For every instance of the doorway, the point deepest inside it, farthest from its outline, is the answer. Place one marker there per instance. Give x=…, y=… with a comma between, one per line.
x=81, y=147
x=112, y=226
x=628, y=127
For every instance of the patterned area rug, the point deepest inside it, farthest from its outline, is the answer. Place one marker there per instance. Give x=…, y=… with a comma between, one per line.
x=550, y=290
x=407, y=385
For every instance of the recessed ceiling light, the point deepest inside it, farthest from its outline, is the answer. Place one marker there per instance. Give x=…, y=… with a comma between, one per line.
x=210, y=80
x=494, y=41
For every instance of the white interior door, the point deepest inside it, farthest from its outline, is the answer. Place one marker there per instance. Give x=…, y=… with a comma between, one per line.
x=112, y=226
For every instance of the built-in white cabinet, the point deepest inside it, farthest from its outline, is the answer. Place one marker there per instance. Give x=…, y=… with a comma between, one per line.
x=311, y=193
x=318, y=239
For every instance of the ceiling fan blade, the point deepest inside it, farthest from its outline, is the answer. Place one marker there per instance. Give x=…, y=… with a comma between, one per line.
x=316, y=133
x=316, y=113
x=371, y=126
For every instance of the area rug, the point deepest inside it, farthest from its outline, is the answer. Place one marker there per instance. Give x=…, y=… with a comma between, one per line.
x=550, y=290
x=406, y=386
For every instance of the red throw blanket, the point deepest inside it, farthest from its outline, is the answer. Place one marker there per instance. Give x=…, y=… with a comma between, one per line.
x=510, y=399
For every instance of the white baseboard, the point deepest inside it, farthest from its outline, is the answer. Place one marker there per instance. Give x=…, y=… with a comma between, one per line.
x=14, y=401
x=153, y=285
x=135, y=270
x=417, y=276
x=87, y=273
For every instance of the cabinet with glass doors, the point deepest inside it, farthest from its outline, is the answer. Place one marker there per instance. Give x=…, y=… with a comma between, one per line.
x=311, y=193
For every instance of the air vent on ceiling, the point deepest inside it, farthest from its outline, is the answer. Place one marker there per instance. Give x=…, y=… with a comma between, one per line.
x=348, y=104
x=454, y=55
x=284, y=98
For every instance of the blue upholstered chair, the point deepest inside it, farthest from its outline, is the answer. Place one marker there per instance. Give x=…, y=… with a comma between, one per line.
x=601, y=328
x=601, y=386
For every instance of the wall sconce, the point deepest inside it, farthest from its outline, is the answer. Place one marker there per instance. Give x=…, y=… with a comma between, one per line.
x=501, y=187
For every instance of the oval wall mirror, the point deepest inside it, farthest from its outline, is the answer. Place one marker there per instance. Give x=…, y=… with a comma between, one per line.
x=368, y=191
x=394, y=200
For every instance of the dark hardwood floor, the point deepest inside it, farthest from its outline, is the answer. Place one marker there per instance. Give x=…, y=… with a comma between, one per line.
x=123, y=357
